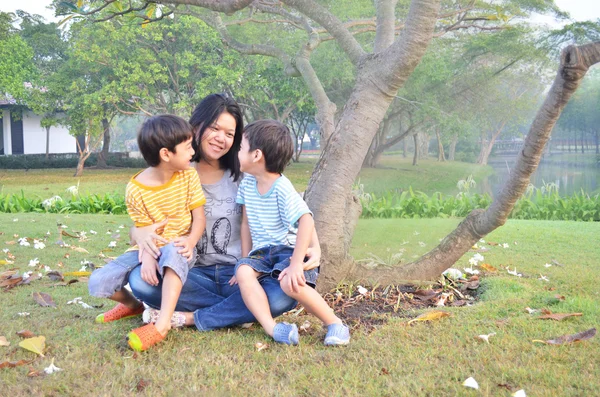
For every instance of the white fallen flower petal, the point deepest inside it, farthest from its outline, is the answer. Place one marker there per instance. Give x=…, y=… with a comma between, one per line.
x=5, y=250
x=547, y=265
x=531, y=311
x=362, y=290
x=83, y=269
x=478, y=257
x=416, y=233
x=26, y=275
x=23, y=314
x=34, y=262
x=543, y=278
x=453, y=274
x=470, y=270
x=519, y=393
x=85, y=305
x=16, y=220
x=52, y=368
x=38, y=245
x=422, y=244
x=504, y=245
x=122, y=227
x=472, y=383
x=482, y=241
x=75, y=300
x=486, y=338
x=513, y=272
x=112, y=244
x=23, y=241
x=47, y=268
x=93, y=232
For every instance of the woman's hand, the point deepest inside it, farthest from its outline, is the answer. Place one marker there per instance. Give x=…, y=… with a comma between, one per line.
x=145, y=238
x=313, y=255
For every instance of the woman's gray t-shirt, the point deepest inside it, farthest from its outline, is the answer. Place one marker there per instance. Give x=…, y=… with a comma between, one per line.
x=221, y=242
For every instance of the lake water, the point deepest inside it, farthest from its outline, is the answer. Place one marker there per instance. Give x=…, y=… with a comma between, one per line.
x=570, y=172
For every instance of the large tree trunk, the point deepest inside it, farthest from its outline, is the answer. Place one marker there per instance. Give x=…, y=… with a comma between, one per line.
x=404, y=147
x=597, y=143
x=103, y=155
x=329, y=191
x=575, y=62
x=452, y=148
x=424, y=149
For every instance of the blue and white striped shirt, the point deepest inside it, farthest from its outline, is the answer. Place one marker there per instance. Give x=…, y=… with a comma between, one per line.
x=273, y=216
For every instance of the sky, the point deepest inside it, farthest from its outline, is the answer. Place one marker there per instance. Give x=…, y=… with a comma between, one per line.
x=580, y=10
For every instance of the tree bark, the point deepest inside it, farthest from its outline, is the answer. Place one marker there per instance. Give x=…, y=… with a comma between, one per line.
x=103, y=155
x=404, y=147
x=575, y=62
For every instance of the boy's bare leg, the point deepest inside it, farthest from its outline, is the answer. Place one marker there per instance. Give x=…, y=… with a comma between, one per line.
x=125, y=297
x=171, y=289
x=313, y=302
x=254, y=297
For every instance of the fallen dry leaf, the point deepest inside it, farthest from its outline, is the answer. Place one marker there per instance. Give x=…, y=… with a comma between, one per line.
x=43, y=299
x=142, y=384
x=55, y=275
x=578, y=337
x=3, y=341
x=80, y=249
x=559, y=316
x=25, y=333
x=12, y=364
x=11, y=282
x=430, y=316
x=36, y=345
x=33, y=372
x=559, y=297
x=384, y=371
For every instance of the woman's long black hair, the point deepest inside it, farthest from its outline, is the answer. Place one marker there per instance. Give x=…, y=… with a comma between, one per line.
x=204, y=115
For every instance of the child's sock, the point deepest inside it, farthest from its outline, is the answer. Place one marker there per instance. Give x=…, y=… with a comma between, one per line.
x=286, y=333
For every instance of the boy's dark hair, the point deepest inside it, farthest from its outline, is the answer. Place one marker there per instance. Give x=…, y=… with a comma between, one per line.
x=162, y=131
x=274, y=140
x=206, y=114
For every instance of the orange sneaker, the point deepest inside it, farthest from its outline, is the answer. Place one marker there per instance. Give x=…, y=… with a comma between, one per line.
x=142, y=338
x=119, y=312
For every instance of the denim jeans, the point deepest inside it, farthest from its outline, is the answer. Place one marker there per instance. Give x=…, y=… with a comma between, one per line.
x=214, y=302
x=112, y=277
x=272, y=260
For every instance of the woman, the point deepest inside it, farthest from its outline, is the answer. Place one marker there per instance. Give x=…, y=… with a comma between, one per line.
x=209, y=299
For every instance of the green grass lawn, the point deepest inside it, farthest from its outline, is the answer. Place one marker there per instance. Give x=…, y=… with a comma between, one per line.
x=395, y=359
x=395, y=173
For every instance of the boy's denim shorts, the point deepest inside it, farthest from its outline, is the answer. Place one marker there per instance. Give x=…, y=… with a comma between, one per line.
x=107, y=280
x=271, y=260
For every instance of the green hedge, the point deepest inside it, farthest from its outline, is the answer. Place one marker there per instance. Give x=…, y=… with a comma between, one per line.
x=537, y=204
x=65, y=160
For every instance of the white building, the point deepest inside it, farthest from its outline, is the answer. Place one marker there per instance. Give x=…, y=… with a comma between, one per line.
x=27, y=136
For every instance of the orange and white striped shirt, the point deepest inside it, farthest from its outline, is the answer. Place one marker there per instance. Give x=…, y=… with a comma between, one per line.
x=175, y=199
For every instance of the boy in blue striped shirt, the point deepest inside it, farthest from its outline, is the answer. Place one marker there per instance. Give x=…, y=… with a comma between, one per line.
x=277, y=227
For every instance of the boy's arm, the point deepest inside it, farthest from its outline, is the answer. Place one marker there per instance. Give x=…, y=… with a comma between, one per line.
x=188, y=243
x=313, y=253
x=293, y=276
x=245, y=234
x=198, y=224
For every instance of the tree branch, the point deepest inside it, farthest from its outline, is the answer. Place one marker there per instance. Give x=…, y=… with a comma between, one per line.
x=332, y=24
x=386, y=21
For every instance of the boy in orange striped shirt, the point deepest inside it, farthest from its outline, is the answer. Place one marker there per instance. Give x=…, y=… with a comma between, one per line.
x=168, y=188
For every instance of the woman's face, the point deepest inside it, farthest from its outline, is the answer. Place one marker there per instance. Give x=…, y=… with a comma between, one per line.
x=218, y=137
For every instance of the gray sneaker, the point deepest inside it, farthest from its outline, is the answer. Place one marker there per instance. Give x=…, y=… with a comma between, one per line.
x=286, y=333
x=337, y=335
